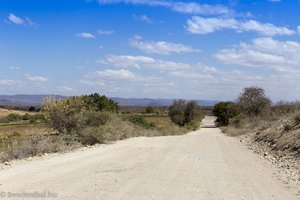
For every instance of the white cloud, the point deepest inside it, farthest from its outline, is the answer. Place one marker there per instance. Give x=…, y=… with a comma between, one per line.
x=164, y=78
x=8, y=83
x=142, y=18
x=19, y=21
x=298, y=29
x=85, y=35
x=178, y=6
x=106, y=32
x=64, y=88
x=125, y=61
x=36, y=78
x=200, y=25
x=264, y=52
x=112, y=74
x=160, y=47
x=16, y=20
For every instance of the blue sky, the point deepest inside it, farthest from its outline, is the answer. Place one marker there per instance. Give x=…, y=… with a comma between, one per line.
x=156, y=49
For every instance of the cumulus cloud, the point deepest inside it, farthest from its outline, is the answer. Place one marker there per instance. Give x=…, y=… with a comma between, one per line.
x=160, y=47
x=264, y=52
x=166, y=78
x=36, y=78
x=177, y=6
x=112, y=74
x=20, y=21
x=85, y=35
x=106, y=32
x=201, y=25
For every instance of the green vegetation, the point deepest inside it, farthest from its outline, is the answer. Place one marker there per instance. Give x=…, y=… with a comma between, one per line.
x=185, y=113
x=224, y=111
x=149, y=109
x=14, y=118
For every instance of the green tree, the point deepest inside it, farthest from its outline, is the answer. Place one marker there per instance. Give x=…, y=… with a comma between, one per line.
x=177, y=112
x=192, y=112
x=224, y=111
x=97, y=102
x=184, y=113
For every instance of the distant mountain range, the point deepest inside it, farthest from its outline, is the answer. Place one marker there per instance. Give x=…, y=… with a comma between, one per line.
x=37, y=100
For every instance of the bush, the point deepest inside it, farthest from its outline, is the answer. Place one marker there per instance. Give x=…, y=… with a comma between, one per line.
x=96, y=102
x=193, y=125
x=65, y=116
x=182, y=112
x=139, y=120
x=224, y=111
x=12, y=117
x=176, y=112
x=93, y=118
x=149, y=109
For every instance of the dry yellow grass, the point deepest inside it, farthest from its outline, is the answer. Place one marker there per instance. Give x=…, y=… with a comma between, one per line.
x=25, y=130
x=160, y=121
x=5, y=112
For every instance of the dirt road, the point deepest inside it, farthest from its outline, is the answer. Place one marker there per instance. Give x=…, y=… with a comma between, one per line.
x=201, y=165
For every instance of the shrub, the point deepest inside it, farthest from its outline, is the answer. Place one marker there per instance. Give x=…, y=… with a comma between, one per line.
x=32, y=109
x=284, y=108
x=182, y=112
x=192, y=112
x=97, y=102
x=224, y=111
x=93, y=118
x=149, y=109
x=193, y=125
x=139, y=120
x=176, y=112
x=65, y=116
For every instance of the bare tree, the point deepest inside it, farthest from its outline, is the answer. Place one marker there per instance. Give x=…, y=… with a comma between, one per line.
x=253, y=101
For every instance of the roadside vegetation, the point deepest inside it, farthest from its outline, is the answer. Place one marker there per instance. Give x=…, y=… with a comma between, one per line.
x=275, y=125
x=65, y=124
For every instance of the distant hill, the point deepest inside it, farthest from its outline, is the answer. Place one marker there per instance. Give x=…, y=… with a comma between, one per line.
x=155, y=102
x=24, y=99
x=37, y=100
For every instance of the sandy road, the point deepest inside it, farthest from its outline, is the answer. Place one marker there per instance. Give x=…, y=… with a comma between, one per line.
x=203, y=164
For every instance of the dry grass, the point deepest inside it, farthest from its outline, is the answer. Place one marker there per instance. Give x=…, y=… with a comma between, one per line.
x=5, y=112
x=280, y=133
x=165, y=126
x=160, y=121
x=25, y=130
x=34, y=139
